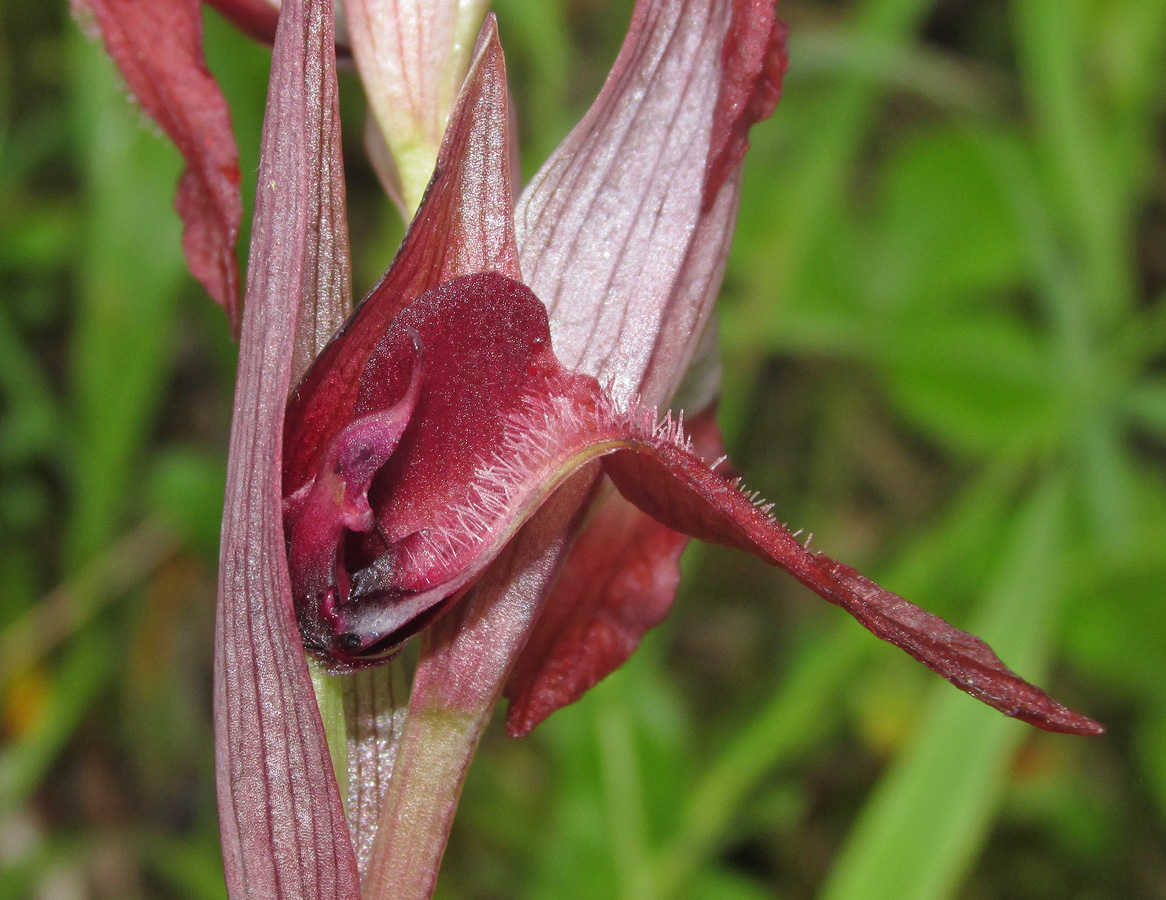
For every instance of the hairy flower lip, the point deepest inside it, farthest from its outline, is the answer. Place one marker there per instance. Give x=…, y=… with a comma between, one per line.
x=474, y=388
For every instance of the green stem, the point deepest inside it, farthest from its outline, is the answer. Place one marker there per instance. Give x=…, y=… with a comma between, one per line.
x=330, y=698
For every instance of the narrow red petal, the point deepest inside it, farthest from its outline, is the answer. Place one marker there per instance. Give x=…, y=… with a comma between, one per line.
x=284, y=832
x=157, y=46
x=618, y=582
x=464, y=225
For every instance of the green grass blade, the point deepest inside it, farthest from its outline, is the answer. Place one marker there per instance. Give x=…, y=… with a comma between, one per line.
x=129, y=275
x=921, y=830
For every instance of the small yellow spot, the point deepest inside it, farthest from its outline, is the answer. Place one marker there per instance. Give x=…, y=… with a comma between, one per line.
x=25, y=702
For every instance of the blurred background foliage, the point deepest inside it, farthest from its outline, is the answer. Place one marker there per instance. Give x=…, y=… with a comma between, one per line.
x=945, y=353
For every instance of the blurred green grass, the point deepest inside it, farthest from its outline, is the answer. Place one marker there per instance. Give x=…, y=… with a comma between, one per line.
x=944, y=337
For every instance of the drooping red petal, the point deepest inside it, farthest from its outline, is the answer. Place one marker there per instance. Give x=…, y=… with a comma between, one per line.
x=464, y=225
x=157, y=46
x=283, y=827
x=625, y=230
x=618, y=582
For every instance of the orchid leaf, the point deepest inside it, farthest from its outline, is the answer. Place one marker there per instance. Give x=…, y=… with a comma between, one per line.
x=157, y=46
x=637, y=204
x=283, y=827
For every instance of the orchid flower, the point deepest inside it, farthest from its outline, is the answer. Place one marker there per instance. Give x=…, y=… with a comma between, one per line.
x=443, y=448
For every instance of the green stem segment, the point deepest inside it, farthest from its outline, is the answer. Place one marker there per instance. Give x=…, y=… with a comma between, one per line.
x=330, y=698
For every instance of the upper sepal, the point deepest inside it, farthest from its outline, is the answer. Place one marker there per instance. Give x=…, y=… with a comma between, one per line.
x=640, y=199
